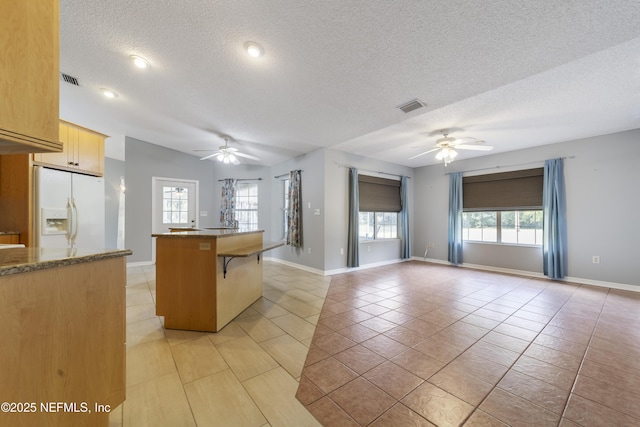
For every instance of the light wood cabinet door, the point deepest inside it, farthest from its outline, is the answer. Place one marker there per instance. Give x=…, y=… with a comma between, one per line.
x=83, y=151
x=89, y=154
x=29, y=76
x=57, y=159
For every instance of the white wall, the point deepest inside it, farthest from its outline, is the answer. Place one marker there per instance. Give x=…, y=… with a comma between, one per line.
x=602, y=207
x=325, y=187
x=113, y=170
x=336, y=196
x=313, y=230
x=143, y=161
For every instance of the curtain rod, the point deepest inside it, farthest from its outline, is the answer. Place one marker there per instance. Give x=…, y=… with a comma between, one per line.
x=508, y=166
x=285, y=174
x=368, y=170
x=243, y=179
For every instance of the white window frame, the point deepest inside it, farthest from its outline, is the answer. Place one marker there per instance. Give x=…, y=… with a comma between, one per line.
x=244, y=225
x=285, y=208
x=499, y=231
x=376, y=228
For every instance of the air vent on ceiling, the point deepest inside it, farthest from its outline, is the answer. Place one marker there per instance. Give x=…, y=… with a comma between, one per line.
x=411, y=106
x=70, y=79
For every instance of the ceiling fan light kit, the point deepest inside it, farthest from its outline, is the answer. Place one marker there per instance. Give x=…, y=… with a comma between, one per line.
x=447, y=154
x=445, y=147
x=226, y=154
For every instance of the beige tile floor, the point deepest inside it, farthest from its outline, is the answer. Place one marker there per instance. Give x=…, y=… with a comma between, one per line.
x=408, y=344
x=245, y=375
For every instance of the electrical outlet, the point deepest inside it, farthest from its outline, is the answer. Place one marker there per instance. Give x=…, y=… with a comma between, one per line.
x=341, y=251
x=309, y=250
x=368, y=248
x=595, y=259
x=431, y=245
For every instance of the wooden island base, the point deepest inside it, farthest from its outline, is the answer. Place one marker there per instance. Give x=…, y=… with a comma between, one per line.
x=194, y=290
x=62, y=353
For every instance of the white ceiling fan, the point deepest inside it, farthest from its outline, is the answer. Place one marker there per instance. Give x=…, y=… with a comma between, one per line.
x=445, y=147
x=226, y=154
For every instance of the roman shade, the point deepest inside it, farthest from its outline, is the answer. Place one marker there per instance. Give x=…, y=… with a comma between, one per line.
x=378, y=194
x=504, y=191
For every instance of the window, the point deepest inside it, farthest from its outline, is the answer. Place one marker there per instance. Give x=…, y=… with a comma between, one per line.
x=175, y=205
x=247, y=205
x=285, y=208
x=522, y=227
x=518, y=227
x=480, y=226
x=379, y=201
x=378, y=225
x=503, y=207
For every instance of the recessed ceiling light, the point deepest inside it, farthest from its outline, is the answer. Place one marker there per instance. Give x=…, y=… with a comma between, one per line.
x=254, y=49
x=109, y=93
x=139, y=61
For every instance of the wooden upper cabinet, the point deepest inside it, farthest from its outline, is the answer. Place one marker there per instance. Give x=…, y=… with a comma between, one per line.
x=83, y=151
x=29, y=76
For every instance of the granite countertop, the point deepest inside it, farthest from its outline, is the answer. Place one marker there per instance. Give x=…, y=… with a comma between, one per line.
x=6, y=233
x=23, y=260
x=207, y=232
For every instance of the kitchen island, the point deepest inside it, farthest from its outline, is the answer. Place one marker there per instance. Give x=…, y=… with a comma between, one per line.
x=62, y=335
x=205, y=278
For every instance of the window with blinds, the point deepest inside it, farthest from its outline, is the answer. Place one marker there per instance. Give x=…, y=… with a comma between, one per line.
x=503, y=207
x=378, y=194
x=379, y=200
x=503, y=191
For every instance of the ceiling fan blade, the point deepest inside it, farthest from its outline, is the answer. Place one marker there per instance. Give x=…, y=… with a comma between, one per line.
x=205, y=149
x=426, y=152
x=248, y=156
x=210, y=155
x=475, y=147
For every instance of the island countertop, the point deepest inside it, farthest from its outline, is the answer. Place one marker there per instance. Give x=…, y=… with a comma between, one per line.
x=207, y=233
x=23, y=260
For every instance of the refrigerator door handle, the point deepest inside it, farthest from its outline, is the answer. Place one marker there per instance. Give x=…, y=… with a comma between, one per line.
x=75, y=221
x=70, y=220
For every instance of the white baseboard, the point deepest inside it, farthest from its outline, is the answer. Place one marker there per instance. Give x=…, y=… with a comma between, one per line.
x=362, y=267
x=336, y=271
x=568, y=279
x=294, y=265
x=139, y=264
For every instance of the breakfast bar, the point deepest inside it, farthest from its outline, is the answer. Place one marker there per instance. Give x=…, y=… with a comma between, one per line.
x=206, y=277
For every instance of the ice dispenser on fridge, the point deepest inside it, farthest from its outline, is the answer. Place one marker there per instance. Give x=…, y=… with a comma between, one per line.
x=54, y=221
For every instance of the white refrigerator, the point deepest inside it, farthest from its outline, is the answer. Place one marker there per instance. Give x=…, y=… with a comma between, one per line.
x=69, y=209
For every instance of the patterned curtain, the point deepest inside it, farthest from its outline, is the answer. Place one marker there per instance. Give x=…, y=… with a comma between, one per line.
x=294, y=213
x=228, y=204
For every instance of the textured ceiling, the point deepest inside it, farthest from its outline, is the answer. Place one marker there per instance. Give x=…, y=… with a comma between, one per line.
x=516, y=74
